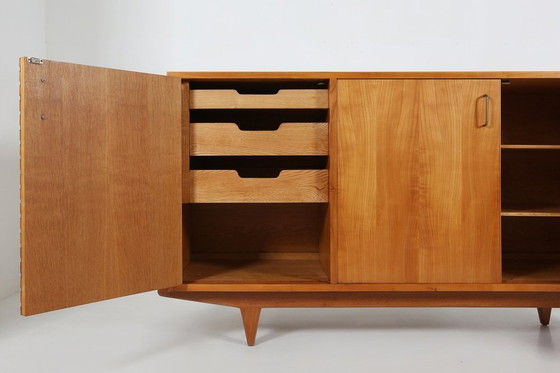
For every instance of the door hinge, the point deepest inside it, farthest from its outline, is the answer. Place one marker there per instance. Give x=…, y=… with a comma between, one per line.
x=35, y=60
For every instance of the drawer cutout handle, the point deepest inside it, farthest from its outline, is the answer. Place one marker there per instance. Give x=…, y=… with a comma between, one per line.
x=269, y=127
x=258, y=91
x=259, y=173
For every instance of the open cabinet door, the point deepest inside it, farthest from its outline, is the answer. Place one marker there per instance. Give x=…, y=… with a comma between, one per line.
x=100, y=184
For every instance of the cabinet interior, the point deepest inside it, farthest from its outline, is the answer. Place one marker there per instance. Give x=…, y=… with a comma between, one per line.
x=530, y=113
x=278, y=236
x=256, y=242
x=531, y=181
x=530, y=249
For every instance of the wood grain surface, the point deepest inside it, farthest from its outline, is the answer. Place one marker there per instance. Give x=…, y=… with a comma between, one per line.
x=100, y=184
x=288, y=139
x=290, y=186
x=286, y=75
x=418, y=181
x=284, y=99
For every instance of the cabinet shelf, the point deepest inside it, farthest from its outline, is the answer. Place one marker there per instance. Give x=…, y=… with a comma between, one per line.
x=529, y=147
x=531, y=271
x=256, y=270
x=550, y=211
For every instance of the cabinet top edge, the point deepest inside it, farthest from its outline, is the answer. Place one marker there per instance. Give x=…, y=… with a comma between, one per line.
x=204, y=75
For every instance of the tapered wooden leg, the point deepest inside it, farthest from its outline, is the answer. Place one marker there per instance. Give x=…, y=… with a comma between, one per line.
x=250, y=323
x=544, y=315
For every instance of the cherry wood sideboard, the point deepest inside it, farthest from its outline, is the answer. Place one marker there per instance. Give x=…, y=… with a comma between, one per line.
x=290, y=189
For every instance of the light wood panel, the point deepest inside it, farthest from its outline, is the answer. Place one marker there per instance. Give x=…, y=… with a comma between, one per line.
x=529, y=147
x=547, y=211
x=284, y=99
x=100, y=184
x=290, y=186
x=418, y=181
x=288, y=139
x=282, y=75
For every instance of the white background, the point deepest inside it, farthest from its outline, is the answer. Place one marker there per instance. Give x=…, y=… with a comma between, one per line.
x=161, y=36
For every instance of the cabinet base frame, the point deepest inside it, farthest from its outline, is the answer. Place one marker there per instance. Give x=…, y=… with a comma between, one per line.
x=250, y=303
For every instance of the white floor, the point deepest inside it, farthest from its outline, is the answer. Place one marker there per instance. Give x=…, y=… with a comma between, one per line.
x=148, y=333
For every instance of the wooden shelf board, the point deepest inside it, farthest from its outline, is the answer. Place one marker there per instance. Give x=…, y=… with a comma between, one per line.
x=326, y=287
x=254, y=271
x=204, y=75
x=528, y=147
x=548, y=211
x=543, y=271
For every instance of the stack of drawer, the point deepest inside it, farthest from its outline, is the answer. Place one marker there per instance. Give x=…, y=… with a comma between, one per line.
x=248, y=147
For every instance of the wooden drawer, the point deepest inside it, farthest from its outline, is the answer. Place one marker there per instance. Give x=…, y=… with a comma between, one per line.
x=290, y=186
x=283, y=99
x=288, y=139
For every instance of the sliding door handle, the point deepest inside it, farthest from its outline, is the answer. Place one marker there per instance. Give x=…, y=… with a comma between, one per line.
x=487, y=115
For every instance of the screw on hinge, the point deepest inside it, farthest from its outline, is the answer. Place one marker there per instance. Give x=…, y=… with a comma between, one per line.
x=43, y=117
x=43, y=80
x=35, y=60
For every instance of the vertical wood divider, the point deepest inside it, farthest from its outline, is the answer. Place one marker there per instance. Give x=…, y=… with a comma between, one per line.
x=185, y=139
x=333, y=181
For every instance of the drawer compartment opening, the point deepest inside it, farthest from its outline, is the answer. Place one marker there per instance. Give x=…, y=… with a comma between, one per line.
x=255, y=243
x=531, y=114
x=531, y=182
x=530, y=249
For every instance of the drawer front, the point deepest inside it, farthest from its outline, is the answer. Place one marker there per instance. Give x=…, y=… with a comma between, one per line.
x=288, y=139
x=225, y=186
x=283, y=99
